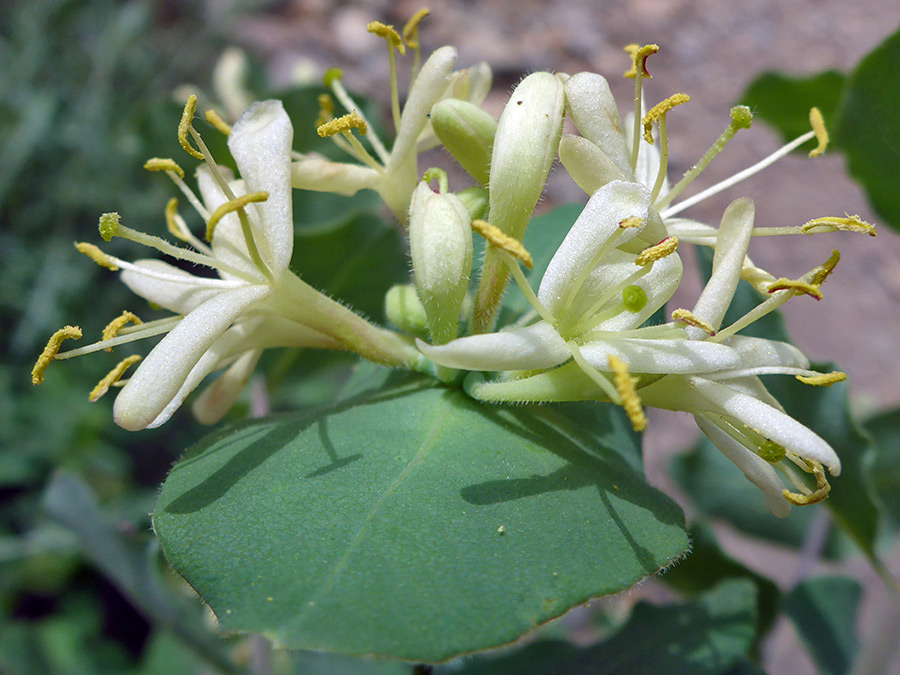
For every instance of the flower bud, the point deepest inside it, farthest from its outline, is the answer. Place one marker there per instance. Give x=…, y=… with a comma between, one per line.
x=404, y=309
x=468, y=134
x=524, y=147
x=475, y=199
x=440, y=243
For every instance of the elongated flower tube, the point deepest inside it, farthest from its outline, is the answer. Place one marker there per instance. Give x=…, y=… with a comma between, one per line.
x=256, y=302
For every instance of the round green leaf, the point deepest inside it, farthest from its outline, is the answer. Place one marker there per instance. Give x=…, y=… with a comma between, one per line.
x=414, y=524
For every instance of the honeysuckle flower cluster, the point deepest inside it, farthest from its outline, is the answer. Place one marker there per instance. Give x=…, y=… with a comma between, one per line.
x=594, y=331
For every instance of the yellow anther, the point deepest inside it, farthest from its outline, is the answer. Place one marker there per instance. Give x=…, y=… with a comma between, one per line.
x=184, y=127
x=343, y=123
x=848, y=223
x=823, y=380
x=215, y=119
x=112, y=377
x=659, y=111
x=691, y=319
x=631, y=221
x=650, y=255
x=171, y=223
x=796, y=285
x=51, y=350
x=639, y=56
x=326, y=110
x=230, y=207
x=109, y=225
x=113, y=327
x=331, y=76
x=817, y=122
x=821, y=273
x=411, y=29
x=631, y=402
x=95, y=254
x=821, y=492
x=388, y=33
x=163, y=164
x=495, y=237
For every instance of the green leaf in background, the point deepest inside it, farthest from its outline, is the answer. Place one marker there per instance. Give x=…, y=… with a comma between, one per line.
x=824, y=611
x=784, y=101
x=885, y=467
x=868, y=128
x=706, y=635
x=414, y=523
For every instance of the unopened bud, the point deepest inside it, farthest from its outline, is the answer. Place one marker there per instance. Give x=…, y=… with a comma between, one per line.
x=440, y=243
x=525, y=145
x=404, y=309
x=475, y=199
x=467, y=132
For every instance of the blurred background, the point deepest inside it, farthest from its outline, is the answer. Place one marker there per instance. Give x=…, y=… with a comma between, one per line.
x=87, y=93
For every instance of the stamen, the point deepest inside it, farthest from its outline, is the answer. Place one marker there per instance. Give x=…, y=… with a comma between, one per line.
x=631, y=221
x=51, y=350
x=823, y=380
x=820, y=274
x=326, y=109
x=650, y=255
x=230, y=207
x=848, y=223
x=184, y=126
x=146, y=330
x=821, y=492
x=691, y=319
x=598, y=378
x=495, y=237
x=638, y=72
x=658, y=112
x=631, y=402
x=163, y=164
x=411, y=29
x=113, y=327
x=526, y=289
x=797, y=285
x=221, y=125
x=741, y=118
x=341, y=124
x=387, y=32
x=332, y=80
x=394, y=42
x=171, y=223
x=817, y=122
x=639, y=56
x=95, y=254
x=112, y=377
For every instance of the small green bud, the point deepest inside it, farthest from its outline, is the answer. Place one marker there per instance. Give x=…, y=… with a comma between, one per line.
x=404, y=309
x=635, y=298
x=467, y=132
x=475, y=199
x=440, y=244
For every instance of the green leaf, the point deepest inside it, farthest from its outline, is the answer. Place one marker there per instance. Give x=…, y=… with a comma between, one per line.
x=707, y=635
x=824, y=612
x=868, y=128
x=784, y=101
x=414, y=524
x=885, y=468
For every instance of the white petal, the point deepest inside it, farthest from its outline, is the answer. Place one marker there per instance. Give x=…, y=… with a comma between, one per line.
x=731, y=249
x=533, y=348
x=228, y=243
x=430, y=83
x=322, y=175
x=480, y=80
x=767, y=421
x=599, y=220
x=594, y=112
x=757, y=470
x=647, y=168
x=260, y=143
x=176, y=297
x=691, y=231
x=587, y=164
x=660, y=356
x=759, y=352
x=159, y=377
x=219, y=397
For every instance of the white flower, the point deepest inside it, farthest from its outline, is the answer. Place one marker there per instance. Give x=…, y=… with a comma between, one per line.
x=256, y=302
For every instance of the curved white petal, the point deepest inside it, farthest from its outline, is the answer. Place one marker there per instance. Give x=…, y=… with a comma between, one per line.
x=759, y=352
x=533, y=348
x=599, y=220
x=757, y=470
x=587, y=164
x=731, y=249
x=260, y=143
x=596, y=115
x=323, y=175
x=219, y=397
x=430, y=83
x=179, y=296
x=228, y=243
x=691, y=231
x=158, y=379
x=660, y=356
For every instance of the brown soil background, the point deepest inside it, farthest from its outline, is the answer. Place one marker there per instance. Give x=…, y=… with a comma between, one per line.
x=710, y=49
